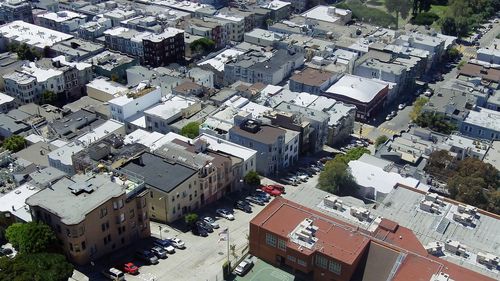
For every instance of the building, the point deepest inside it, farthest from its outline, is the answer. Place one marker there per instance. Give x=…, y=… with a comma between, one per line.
x=312, y=81
x=160, y=117
x=6, y=103
x=482, y=124
x=433, y=44
x=268, y=141
x=234, y=23
x=164, y=48
x=104, y=90
x=93, y=214
x=280, y=10
x=93, y=29
x=34, y=36
x=125, y=40
x=341, y=123
x=209, y=28
x=13, y=207
x=490, y=54
x=76, y=49
x=367, y=95
x=112, y=65
x=13, y=10
x=9, y=63
x=488, y=74
x=136, y=101
x=319, y=247
x=262, y=37
x=328, y=14
x=63, y=21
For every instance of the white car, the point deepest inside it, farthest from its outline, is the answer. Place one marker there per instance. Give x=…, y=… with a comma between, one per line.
x=243, y=267
x=178, y=243
x=401, y=106
x=211, y=222
x=225, y=214
x=428, y=93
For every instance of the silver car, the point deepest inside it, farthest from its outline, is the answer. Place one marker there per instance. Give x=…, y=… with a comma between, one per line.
x=211, y=222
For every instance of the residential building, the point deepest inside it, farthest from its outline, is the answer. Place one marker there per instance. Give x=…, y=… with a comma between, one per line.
x=209, y=28
x=312, y=81
x=298, y=5
x=95, y=28
x=164, y=48
x=328, y=14
x=462, y=146
x=136, y=101
x=268, y=141
x=490, y=54
x=13, y=208
x=63, y=21
x=488, y=74
x=112, y=65
x=12, y=10
x=93, y=214
x=76, y=49
x=341, y=122
x=319, y=247
x=307, y=45
x=482, y=123
x=160, y=117
x=262, y=37
x=6, y=103
x=173, y=187
x=234, y=23
x=10, y=126
x=280, y=10
x=217, y=64
x=9, y=63
x=125, y=40
x=75, y=74
x=34, y=36
x=433, y=44
x=104, y=89
x=367, y=95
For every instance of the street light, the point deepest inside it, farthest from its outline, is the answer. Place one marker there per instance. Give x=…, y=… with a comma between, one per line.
x=160, y=227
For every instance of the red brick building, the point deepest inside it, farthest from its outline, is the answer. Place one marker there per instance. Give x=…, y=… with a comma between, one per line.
x=318, y=247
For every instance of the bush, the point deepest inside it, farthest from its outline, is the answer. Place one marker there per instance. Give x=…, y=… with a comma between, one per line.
x=426, y=18
x=14, y=143
x=191, y=130
x=31, y=237
x=435, y=122
x=190, y=219
x=380, y=140
x=252, y=178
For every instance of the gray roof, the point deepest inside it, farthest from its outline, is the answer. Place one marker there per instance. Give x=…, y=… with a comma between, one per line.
x=158, y=172
x=72, y=208
x=11, y=125
x=309, y=113
x=37, y=153
x=273, y=64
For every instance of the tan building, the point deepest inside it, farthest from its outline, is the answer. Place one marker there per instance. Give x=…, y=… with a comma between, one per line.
x=93, y=214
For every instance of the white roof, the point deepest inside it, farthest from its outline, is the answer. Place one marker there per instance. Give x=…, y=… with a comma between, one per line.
x=77, y=65
x=371, y=175
x=116, y=31
x=138, y=120
x=275, y=5
x=167, y=33
x=41, y=74
x=61, y=16
x=256, y=109
x=170, y=107
x=108, y=86
x=325, y=13
x=356, y=87
x=100, y=132
x=64, y=153
x=5, y=98
x=271, y=90
x=32, y=35
x=230, y=17
x=14, y=201
x=153, y=140
x=485, y=118
x=218, y=61
x=218, y=144
x=181, y=5
x=59, y=143
x=305, y=99
x=34, y=138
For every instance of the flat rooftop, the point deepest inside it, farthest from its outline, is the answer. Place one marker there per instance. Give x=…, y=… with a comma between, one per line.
x=326, y=13
x=312, y=77
x=485, y=118
x=357, y=88
x=61, y=16
x=14, y=201
x=32, y=35
x=222, y=145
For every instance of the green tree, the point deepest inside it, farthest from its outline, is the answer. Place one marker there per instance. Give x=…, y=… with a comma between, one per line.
x=190, y=219
x=380, y=140
x=399, y=8
x=352, y=154
x=436, y=122
x=426, y=18
x=202, y=46
x=35, y=267
x=14, y=143
x=24, y=52
x=453, y=54
x=439, y=163
x=336, y=177
x=191, y=130
x=31, y=237
x=417, y=108
x=49, y=97
x=252, y=178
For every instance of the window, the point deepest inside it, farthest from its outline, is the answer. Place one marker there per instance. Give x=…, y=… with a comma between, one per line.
x=302, y=262
x=335, y=267
x=291, y=258
x=321, y=261
x=132, y=213
x=281, y=244
x=104, y=212
x=270, y=239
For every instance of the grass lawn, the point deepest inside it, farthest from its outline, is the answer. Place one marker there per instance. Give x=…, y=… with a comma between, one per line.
x=441, y=12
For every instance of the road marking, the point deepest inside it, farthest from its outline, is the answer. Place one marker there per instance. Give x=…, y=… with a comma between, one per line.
x=388, y=131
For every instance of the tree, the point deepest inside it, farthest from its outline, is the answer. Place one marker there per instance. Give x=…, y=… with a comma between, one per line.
x=398, y=7
x=252, y=178
x=14, y=143
x=24, y=52
x=417, y=107
x=49, y=97
x=352, y=154
x=426, y=18
x=420, y=6
x=35, y=267
x=380, y=140
x=31, y=237
x=436, y=122
x=336, y=177
x=439, y=163
x=190, y=219
x=453, y=54
x=191, y=130
x=202, y=46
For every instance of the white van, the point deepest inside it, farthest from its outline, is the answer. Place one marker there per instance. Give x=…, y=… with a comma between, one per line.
x=114, y=274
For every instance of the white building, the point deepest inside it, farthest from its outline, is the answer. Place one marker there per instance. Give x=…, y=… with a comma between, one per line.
x=235, y=27
x=124, y=107
x=6, y=103
x=490, y=54
x=35, y=36
x=159, y=117
x=103, y=89
x=329, y=14
x=63, y=21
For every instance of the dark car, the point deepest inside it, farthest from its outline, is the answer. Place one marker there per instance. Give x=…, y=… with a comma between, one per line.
x=242, y=205
x=198, y=230
x=255, y=200
x=262, y=195
x=146, y=256
x=206, y=226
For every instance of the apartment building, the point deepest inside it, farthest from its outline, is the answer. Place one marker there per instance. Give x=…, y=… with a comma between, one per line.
x=209, y=28
x=138, y=100
x=164, y=48
x=13, y=10
x=94, y=28
x=93, y=214
x=63, y=21
x=160, y=117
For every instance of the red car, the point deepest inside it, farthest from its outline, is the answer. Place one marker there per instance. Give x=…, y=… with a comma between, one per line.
x=278, y=187
x=129, y=268
x=271, y=190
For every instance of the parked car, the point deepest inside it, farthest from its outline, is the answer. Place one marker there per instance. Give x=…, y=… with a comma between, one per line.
x=113, y=274
x=401, y=106
x=262, y=195
x=147, y=256
x=243, y=267
x=302, y=176
x=205, y=226
x=166, y=245
x=159, y=252
x=428, y=93
x=255, y=200
x=242, y=205
x=178, y=243
x=128, y=267
x=199, y=230
x=211, y=222
x=270, y=190
x=225, y=214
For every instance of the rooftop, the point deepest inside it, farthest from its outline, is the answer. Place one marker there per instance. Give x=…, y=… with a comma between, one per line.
x=170, y=108
x=485, y=118
x=106, y=85
x=326, y=13
x=32, y=35
x=61, y=16
x=264, y=133
x=159, y=172
x=476, y=70
x=357, y=88
x=275, y=5
x=312, y=77
x=14, y=201
x=5, y=98
x=222, y=58
x=222, y=145
x=493, y=155
x=109, y=60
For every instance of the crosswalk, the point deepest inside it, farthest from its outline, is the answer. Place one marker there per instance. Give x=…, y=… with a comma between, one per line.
x=388, y=131
x=467, y=51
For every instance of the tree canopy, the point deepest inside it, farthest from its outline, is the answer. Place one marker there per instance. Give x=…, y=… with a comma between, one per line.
x=436, y=122
x=399, y=8
x=24, y=52
x=14, y=143
x=35, y=267
x=252, y=178
x=190, y=218
x=202, y=45
x=464, y=15
x=417, y=107
x=31, y=237
x=380, y=140
x=191, y=130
